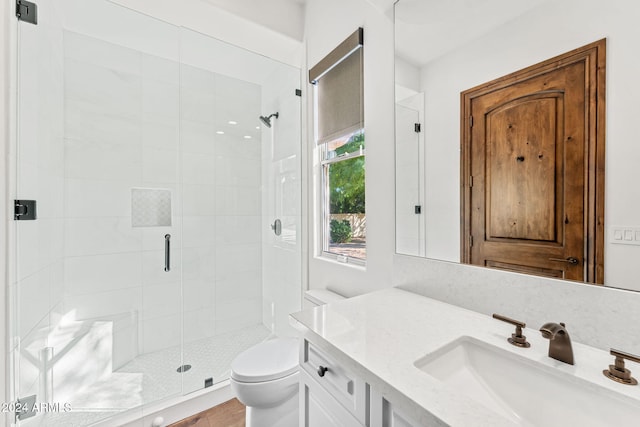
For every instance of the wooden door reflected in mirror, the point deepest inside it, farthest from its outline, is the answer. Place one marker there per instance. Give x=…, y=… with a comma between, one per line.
x=532, y=168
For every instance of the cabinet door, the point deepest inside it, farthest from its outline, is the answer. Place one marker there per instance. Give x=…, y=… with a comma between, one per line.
x=398, y=421
x=318, y=408
x=384, y=414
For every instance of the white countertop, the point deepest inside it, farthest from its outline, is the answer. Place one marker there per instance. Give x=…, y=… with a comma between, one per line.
x=380, y=335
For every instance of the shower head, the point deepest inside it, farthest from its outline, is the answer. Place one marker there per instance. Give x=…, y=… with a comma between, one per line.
x=267, y=119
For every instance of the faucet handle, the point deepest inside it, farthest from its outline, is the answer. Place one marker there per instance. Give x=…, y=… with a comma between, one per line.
x=617, y=371
x=517, y=338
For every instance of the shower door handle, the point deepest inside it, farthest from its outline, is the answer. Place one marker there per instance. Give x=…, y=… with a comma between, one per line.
x=277, y=227
x=167, y=252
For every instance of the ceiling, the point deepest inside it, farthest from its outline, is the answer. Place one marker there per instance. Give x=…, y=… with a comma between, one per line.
x=283, y=16
x=427, y=29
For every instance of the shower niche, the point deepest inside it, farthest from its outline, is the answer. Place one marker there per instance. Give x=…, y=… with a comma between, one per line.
x=129, y=130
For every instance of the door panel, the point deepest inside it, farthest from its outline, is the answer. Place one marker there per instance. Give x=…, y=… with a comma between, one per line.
x=521, y=168
x=528, y=156
x=518, y=268
x=532, y=168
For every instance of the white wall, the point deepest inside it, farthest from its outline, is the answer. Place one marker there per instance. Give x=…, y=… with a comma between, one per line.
x=208, y=19
x=406, y=75
x=344, y=17
x=534, y=37
x=283, y=16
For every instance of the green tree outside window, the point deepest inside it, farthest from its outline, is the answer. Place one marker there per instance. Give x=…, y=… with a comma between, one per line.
x=346, y=180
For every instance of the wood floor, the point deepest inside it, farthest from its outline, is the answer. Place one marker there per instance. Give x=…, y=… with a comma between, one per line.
x=227, y=414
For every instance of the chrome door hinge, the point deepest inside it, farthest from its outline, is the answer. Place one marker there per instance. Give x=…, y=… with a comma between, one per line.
x=27, y=11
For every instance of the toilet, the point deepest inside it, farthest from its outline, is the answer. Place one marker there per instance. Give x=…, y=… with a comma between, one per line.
x=265, y=377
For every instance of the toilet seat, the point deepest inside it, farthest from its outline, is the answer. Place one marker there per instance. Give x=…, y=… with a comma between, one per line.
x=267, y=361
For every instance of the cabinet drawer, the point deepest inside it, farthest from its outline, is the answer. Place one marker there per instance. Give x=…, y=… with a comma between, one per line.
x=349, y=390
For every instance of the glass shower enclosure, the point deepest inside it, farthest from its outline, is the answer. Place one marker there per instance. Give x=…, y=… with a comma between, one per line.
x=152, y=261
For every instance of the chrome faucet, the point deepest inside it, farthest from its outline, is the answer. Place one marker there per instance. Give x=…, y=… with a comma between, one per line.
x=559, y=342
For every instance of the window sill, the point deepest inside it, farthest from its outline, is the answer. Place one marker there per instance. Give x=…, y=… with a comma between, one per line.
x=343, y=260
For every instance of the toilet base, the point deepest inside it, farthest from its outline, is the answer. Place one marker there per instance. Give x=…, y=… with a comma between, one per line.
x=283, y=415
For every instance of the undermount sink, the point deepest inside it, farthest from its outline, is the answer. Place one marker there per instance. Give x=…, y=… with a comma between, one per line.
x=525, y=391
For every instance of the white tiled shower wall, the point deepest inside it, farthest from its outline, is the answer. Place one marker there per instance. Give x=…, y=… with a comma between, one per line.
x=281, y=172
x=110, y=120
x=137, y=120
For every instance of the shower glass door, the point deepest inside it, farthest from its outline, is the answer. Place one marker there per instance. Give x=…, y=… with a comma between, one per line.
x=238, y=287
x=94, y=294
x=221, y=185
x=152, y=262
x=410, y=224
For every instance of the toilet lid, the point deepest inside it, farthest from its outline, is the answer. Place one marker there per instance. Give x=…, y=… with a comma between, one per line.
x=266, y=361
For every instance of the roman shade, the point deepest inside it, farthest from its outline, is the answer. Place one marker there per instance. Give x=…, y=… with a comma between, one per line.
x=339, y=90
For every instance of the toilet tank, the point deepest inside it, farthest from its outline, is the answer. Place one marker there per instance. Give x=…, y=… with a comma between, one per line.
x=316, y=297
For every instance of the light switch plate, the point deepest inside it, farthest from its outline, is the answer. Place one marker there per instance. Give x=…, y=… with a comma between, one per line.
x=624, y=235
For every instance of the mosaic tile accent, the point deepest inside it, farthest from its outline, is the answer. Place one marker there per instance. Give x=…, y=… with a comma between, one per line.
x=150, y=207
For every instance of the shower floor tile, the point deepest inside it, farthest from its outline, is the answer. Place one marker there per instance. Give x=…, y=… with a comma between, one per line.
x=152, y=377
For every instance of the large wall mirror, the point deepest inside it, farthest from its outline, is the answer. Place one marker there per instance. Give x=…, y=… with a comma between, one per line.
x=446, y=48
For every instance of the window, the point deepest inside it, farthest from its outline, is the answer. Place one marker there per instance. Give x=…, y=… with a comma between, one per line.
x=339, y=126
x=344, y=220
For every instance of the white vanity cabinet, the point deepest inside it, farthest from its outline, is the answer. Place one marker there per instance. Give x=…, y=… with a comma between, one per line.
x=331, y=396
x=384, y=414
x=396, y=420
x=318, y=407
